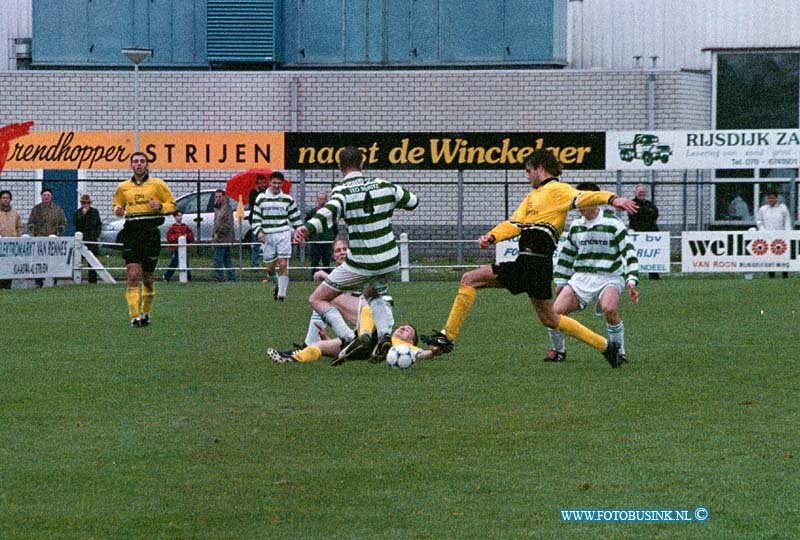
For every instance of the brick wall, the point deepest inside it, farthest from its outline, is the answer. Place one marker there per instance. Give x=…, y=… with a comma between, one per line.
x=475, y=100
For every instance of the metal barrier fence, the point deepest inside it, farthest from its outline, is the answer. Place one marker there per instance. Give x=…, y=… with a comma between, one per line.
x=454, y=204
x=411, y=268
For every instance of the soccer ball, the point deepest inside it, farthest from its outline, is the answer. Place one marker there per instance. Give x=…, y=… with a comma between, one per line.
x=400, y=357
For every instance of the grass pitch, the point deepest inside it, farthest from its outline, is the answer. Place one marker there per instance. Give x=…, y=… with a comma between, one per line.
x=183, y=430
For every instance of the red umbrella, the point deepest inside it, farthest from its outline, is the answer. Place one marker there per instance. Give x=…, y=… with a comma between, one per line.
x=245, y=182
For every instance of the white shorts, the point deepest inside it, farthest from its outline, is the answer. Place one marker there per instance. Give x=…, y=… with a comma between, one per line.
x=277, y=246
x=343, y=279
x=588, y=287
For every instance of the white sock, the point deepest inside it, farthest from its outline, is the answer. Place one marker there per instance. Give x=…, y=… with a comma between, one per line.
x=312, y=335
x=382, y=315
x=283, y=284
x=557, y=340
x=334, y=319
x=616, y=334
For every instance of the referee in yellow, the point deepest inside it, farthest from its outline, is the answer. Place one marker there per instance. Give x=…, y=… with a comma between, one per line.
x=143, y=200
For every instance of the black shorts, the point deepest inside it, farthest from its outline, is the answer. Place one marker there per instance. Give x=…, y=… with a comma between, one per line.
x=142, y=245
x=532, y=274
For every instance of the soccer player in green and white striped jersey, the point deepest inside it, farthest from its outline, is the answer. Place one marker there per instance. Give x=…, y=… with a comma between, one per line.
x=596, y=261
x=275, y=215
x=366, y=205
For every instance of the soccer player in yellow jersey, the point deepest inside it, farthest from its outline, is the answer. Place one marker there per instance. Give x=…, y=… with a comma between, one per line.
x=143, y=200
x=404, y=335
x=539, y=221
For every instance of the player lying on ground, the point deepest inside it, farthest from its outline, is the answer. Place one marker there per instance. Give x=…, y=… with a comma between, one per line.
x=353, y=307
x=538, y=221
x=404, y=335
x=346, y=304
x=596, y=262
x=366, y=205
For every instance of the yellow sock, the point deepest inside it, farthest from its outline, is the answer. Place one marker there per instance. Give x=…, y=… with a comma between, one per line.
x=132, y=297
x=573, y=328
x=309, y=354
x=461, y=307
x=366, y=324
x=147, y=297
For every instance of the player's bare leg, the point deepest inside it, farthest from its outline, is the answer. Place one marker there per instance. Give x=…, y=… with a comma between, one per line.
x=321, y=302
x=608, y=302
x=566, y=302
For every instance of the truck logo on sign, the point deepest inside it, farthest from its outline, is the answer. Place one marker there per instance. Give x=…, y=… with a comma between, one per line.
x=646, y=148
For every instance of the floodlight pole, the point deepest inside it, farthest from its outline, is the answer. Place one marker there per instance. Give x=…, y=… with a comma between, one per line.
x=136, y=55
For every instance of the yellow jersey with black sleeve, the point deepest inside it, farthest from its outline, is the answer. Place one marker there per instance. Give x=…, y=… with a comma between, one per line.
x=135, y=198
x=540, y=218
x=414, y=349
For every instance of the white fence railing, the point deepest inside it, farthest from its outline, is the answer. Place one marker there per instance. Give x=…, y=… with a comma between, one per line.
x=27, y=258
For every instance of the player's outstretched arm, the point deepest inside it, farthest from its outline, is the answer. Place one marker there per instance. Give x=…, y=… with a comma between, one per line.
x=429, y=353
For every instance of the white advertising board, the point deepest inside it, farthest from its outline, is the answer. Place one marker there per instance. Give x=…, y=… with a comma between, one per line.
x=720, y=149
x=652, y=250
x=740, y=251
x=40, y=257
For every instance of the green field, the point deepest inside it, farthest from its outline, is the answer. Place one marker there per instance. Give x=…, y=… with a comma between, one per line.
x=183, y=430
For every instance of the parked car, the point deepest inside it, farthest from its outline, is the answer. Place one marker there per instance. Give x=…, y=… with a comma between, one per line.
x=188, y=204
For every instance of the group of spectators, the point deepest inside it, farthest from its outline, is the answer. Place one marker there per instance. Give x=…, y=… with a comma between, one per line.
x=48, y=219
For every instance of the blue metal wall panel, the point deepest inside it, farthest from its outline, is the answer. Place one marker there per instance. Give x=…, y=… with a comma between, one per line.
x=377, y=40
x=424, y=32
x=356, y=30
x=473, y=32
x=93, y=32
x=301, y=33
x=528, y=28
x=320, y=32
x=60, y=31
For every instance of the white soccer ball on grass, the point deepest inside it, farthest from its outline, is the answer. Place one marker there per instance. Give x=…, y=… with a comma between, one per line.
x=400, y=357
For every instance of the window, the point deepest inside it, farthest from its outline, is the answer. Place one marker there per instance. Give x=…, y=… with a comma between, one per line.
x=755, y=90
x=758, y=90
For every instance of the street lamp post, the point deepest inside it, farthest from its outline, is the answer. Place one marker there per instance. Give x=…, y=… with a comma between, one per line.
x=136, y=55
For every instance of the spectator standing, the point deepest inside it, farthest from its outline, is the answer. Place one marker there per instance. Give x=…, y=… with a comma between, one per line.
x=46, y=219
x=10, y=224
x=739, y=210
x=644, y=220
x=175, y=231
x=255, y=249
x=321, y=250
x=774, y=216
x=87, y=221
x=223, y=234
